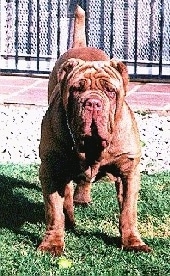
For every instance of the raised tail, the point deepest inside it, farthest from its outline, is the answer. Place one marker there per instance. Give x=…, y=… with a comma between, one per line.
x=79, y=35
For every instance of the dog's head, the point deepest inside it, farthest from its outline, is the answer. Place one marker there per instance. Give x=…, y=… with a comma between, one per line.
x=92, y=93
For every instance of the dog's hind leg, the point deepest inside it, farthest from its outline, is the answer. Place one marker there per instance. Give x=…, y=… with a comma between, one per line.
x=119, y=190
x=68, y=205
x=82, y=194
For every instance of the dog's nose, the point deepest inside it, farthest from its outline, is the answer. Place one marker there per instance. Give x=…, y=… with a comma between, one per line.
x=93, y=104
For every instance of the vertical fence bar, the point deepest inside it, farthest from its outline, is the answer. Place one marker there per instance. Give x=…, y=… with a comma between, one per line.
x=102, y=21
x=29, y=35
x=16, y=33
x=58, y=30
x=111, y=32
x=136, y=39
x=125, y=31
x=161, y=37
x=151, y=30
x=38, y=37
x=49, y=24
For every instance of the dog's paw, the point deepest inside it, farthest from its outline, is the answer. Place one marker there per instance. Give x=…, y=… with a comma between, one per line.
x=53, y=245
x=135, y=243
x=82, y=194
x=53, y=249
x=138, y=248
x=81, y=202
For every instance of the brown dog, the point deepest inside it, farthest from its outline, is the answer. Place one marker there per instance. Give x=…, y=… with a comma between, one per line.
x=88, y=131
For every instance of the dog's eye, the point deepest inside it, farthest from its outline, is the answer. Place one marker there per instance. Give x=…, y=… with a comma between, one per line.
x=79, y=86
x=111, y=93
x=109, y=89
x=82, y=85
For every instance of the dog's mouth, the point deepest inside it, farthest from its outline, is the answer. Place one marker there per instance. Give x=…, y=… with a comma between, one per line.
x=91, y=143
x=92, y=146
x=96, y=127
x=94, y=133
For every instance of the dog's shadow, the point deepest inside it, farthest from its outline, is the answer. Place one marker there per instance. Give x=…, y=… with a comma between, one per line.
x=16, y=208
x=108, y=240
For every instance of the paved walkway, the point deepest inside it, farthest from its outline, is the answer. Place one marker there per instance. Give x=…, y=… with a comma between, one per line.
x=33, y=91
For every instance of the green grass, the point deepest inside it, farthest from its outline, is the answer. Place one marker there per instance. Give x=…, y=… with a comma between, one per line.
x=93, y=247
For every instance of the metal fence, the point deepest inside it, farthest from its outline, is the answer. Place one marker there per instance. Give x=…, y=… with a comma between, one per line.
x=34, y=33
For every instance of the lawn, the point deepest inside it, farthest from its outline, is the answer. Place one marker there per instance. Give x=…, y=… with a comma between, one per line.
x=93, y=247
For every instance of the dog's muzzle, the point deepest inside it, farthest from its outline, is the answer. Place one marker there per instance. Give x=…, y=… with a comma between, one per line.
x=91, y=115
x=94, y=132
x=94, y=105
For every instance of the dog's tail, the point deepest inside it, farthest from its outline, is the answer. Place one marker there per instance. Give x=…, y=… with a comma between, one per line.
x=79, y=35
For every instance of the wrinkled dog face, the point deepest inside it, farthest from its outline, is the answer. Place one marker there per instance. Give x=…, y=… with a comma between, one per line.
x=91, y=91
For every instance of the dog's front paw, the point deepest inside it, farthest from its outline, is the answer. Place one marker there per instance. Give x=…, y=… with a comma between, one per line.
x=53, y=249
x=138, y=248
x=132, y=243
x=53, y=244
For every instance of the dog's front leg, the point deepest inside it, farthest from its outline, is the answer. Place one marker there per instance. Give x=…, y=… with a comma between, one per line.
x=53, y=240
x=56, y=198
x=127, y=197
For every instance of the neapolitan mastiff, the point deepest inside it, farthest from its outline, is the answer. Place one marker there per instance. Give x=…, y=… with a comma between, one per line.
x=88, y=131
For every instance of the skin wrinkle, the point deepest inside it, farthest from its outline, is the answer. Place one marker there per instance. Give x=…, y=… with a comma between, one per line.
x=102, y=72
x=100, y=119
x=95, y=85
x=92, y=82
x=83, y=65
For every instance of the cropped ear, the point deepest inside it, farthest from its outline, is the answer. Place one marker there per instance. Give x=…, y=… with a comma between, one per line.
x=122, y=69
x=67, y=67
